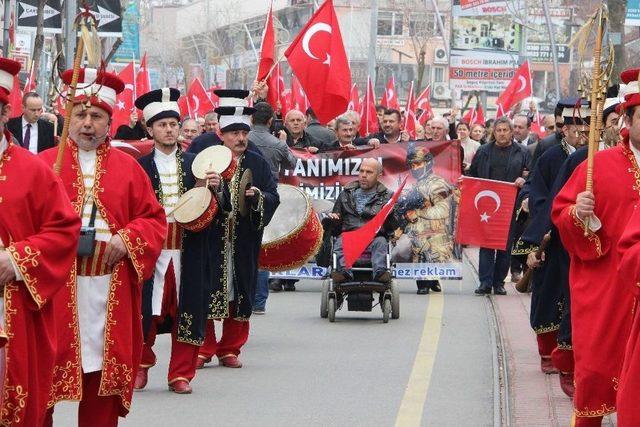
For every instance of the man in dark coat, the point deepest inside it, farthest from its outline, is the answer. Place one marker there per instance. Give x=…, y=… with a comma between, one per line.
x=500, y=160
x=30, y=130
x=235, y=239
x=547, y=300
x=183, y=270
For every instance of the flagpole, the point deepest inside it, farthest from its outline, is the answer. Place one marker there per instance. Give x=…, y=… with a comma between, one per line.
x=7, y=25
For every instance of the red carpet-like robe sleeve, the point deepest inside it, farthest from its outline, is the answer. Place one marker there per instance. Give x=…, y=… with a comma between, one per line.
x=40, y=230
x=601, y=304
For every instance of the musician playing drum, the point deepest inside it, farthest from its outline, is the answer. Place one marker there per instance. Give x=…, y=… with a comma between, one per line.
x=181, y=270
x=235, y=240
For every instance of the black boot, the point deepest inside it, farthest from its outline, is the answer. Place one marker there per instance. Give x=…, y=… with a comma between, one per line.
x=499, y=289
x=275, y=285
x=435, y=286
x=423, y=287
x=483, y=290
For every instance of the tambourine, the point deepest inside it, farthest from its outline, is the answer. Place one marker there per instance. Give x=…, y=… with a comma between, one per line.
x=217, y=158
x=196, y=209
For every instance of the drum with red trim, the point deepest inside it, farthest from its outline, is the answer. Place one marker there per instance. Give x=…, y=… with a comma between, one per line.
x=196, y=209
x=217, y=158
x=294, y=234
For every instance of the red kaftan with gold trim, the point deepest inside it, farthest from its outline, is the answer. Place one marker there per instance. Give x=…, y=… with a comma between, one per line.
x=40, y=230
x=601, y=303
x=126, y=201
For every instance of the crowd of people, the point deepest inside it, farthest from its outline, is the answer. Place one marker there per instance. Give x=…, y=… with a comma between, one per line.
x=81, y=314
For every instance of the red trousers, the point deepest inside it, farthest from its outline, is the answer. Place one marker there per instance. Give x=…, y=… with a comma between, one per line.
x=184, y=357
x=94, y=410
x=234, y=335
x=562, y=360
x=546, y=343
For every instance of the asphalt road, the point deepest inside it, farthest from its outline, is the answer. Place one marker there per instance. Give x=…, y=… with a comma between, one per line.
x=431, y=367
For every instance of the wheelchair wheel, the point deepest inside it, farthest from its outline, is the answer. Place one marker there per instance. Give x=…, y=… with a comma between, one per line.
x=395, y=300
x=324, y=301
x=331, y=306
x=386, y=310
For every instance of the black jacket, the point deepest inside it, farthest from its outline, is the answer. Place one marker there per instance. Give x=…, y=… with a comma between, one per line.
x=520, y=160
x=131, y=133
x=46, y=138
x=346, y=207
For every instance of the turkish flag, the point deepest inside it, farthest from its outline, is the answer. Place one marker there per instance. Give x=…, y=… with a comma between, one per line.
x=475, y=115
x=124, y=100
x=486, y=208
x=215, y=99
x=282, y=104
x=369, y=123
x=410, y=115
x=423, y=102
x=390, y=97
x=183, y=104
x=143, y=81
x=268, y=59
x=198, y=99
x=356, y=241
x=318, y=59
x=299, y=100
x=354, y=104
x=30, y=84
x=15, y=98
x=518, y=89
x=536, y=125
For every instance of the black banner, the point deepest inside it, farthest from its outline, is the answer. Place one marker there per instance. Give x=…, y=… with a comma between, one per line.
x=109, y=16
x=28, y=11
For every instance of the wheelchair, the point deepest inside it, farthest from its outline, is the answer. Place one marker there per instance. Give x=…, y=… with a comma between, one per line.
x=360, y=293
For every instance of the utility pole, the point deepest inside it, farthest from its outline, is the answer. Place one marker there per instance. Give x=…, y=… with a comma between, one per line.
x=617, y=10
x=70, y=7
x=554, y=47
x=440, y=23
x=373, y=39
x=7, y=25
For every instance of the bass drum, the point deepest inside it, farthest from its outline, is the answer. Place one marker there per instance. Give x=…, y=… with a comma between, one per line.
x=294, y=234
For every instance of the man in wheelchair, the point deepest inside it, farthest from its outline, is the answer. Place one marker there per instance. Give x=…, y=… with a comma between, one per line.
x=359, y=202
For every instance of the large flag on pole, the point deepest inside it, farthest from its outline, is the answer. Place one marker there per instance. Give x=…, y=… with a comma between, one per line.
x=268, y=59
x=410, y=115
x=354, y=104
x=143, y=81
x=519, y=88
x=423, y=102
x=390, y=97
x=125, y=100
x=199, y=102
x=369, y=119
x=318, y=58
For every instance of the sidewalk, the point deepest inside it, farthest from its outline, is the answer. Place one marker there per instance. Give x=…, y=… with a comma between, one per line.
x=535, y=398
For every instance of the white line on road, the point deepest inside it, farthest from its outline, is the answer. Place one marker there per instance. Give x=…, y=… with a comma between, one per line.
x=415, y=395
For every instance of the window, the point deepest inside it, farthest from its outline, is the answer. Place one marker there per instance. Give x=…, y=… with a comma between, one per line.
x=422, y=24
x=438, y=74
x=389, y=24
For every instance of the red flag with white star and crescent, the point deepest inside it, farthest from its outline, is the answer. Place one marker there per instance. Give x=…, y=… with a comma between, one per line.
x=318, y=58
x=486, y=208
x=125, y=99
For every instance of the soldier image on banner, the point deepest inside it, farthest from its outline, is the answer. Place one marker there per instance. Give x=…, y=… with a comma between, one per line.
x=427, y=211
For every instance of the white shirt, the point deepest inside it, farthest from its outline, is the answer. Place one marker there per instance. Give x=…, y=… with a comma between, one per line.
x=33, y=136
x=93, y=291
x=167, y=165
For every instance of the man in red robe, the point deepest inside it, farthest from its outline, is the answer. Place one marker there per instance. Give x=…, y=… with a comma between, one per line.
x=629, y=275
x=600, y=303
x=38, y=238
x=113, y=196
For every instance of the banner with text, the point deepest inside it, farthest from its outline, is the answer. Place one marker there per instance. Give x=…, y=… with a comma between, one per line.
x=423, y=246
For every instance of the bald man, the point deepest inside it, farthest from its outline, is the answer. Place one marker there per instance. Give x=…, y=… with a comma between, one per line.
x=358, y=202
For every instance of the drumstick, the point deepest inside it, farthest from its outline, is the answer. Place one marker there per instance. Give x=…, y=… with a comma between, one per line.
x=179, y=205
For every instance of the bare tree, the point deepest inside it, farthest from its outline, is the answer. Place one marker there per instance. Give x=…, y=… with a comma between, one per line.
x=38, y=44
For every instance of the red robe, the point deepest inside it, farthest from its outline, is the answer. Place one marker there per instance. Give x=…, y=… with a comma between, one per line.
x=40, y=231
x=629, y=272
x=601, y=304
x=126, y=201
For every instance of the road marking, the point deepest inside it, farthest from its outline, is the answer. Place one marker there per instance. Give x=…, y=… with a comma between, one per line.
x=415, y=395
